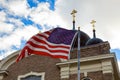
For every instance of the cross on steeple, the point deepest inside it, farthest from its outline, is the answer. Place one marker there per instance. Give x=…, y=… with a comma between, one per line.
x=93, y=24
x=73, y=14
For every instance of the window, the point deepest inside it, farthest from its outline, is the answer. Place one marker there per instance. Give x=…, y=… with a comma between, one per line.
x=32, y=76
x=86, y=78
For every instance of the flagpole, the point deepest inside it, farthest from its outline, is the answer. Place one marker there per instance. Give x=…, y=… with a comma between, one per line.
x=78, y=53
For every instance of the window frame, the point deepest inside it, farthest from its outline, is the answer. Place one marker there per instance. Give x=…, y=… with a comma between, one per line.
x=86, y=77
x=42, y=74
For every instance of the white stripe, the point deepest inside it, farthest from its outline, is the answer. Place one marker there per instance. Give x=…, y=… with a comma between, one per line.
x=42, y=44
x=44, y=50
x=26, y=53
x=44, y=34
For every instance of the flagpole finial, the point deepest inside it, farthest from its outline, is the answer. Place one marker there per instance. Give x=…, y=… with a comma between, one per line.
x=93, y=24
x=73, y=14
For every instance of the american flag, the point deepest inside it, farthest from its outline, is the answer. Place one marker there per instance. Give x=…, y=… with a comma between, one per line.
x=55, y=43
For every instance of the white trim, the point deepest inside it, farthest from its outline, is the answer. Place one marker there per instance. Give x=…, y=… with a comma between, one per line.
x=107, y=66
x=42, y=74
x=9, y=60
x=85, y=79
x=105, y=63
x=90, y=58
x=85, y=73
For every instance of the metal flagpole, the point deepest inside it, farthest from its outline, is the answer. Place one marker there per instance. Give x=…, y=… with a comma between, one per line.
x=78, y=53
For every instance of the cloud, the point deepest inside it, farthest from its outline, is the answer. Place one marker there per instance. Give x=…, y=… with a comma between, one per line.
x=44, y=16
x=15, y=37
x=7, y=28
x=106, y=13
x=17, y=7
x=2, y=14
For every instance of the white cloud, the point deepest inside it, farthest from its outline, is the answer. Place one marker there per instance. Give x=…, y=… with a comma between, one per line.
x=2, y=18
x=44, y=16
x=8, y=52
x=16, y=7
x=15, y=37
x=7, y=28
x=16, y=22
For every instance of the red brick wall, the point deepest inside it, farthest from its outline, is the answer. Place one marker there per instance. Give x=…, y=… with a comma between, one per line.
x=98, y=75
x=35, y=63
x=108, y=76
x=93, y=50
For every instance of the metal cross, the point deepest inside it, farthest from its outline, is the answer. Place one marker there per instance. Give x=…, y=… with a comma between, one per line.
x=73, y=14
x=93, y=24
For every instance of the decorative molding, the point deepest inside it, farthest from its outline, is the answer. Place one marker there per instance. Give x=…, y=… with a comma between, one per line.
x=1, y=77
x=107, y=66
x=85, y=73
x=64, y=72
x=88, y=64
x=3, y=73
x=9, y=60
x=87, y=59
x=42, y=74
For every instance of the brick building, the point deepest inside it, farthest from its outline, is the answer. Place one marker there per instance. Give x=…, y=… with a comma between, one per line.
x=96, y=63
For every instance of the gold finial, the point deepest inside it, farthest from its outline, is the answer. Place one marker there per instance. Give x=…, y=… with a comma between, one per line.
x=93, y=24
x=73, y=14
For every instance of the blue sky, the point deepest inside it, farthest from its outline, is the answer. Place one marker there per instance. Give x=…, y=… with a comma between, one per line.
x=21, y=19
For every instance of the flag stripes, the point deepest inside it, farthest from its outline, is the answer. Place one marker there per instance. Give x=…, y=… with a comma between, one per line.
x=40, y=45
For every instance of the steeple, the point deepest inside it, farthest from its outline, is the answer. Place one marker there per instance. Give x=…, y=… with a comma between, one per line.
x=94, y=40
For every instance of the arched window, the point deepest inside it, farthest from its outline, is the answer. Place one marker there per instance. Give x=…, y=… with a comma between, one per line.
x=32, y=76
x=86, y=78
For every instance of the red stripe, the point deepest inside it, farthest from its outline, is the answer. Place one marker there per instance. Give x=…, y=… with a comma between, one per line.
x=43, y=47
x=47, y=54
x=21, y=55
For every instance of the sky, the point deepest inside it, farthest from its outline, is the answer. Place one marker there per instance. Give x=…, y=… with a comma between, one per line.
x=21, y=19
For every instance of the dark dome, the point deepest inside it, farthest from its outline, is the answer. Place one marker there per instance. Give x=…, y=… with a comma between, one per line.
x=94, y=41
x=83, y=39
